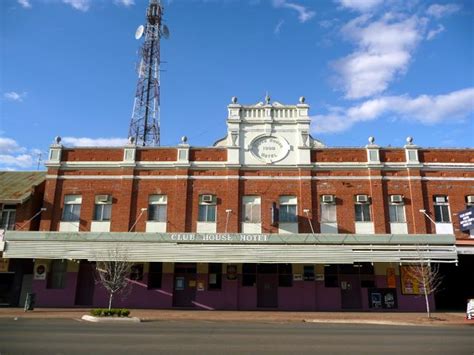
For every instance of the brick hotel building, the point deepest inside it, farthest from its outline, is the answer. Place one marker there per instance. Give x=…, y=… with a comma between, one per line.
x=266, y=218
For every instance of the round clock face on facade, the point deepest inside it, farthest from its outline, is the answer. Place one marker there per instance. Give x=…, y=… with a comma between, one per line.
x=269, y=149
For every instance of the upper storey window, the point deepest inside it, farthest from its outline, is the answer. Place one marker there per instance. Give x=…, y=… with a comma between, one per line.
x=362, y=208
x=441, y=209
x=157, y=208
x=288, y=208
x=8, y=218
x=72, y=208
x=396, y=208
x=207, y=208
x=328, y=209
x=251, y=209
x=103, y=208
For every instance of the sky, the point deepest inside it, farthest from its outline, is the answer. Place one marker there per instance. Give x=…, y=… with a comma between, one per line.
x=388, y=69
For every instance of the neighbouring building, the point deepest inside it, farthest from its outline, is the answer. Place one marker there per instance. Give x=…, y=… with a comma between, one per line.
x=21, y=199
x=266, y=218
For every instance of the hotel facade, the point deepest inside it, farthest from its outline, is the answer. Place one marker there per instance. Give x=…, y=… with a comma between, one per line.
x=266, y=218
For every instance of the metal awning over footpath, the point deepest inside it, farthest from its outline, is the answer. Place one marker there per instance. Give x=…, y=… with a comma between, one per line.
x=232, y=248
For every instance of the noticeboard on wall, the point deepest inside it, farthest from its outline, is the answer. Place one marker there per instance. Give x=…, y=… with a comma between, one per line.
x=231, y=272
x=40, y=272
x=410, y=285
x=383, y=298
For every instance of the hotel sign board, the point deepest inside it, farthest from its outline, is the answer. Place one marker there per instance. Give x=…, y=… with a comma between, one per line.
x=466, y=219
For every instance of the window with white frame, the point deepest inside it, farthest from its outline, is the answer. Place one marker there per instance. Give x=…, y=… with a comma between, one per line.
x=396, y=209
x=157, y=208
x=362, y=208
x=103, y=208
x=288, y=208
x=441, y=209
x=207, y=208
x=72, y=208
x=8, y=219
x=328, y=209
x=251, y=209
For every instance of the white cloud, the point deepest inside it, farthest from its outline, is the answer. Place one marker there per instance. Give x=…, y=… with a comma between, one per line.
x=14, y=96
x=13, y=156
x=25, y=4
x=94, y=142
x=81, y=5
x=125, y=3
x=384, y=50
x=20, y=161
x=9, y=146
x=424, y=109
x=304, y=14
x=433, y=33
x=359, y=5
x=278, y=27
x=438, y=11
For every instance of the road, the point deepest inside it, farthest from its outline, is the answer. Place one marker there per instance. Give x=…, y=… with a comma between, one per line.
x=68, y=336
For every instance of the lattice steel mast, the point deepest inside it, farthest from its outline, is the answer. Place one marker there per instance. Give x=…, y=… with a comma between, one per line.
x=145, y=122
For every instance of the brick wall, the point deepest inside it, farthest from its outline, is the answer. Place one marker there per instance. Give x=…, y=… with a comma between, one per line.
x=184, y=185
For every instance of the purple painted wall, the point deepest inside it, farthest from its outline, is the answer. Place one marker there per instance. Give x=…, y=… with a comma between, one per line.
x=47, y=297
x=327, y=298
x=302, y=296
x=137, y=295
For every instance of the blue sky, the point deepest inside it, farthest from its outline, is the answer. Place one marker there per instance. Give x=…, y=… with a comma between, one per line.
x=387, y=69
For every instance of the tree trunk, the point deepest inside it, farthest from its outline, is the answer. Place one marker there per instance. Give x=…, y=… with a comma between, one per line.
x=427, y=303
x=110, y=300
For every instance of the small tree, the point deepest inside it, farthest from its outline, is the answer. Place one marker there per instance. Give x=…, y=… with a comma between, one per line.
x=428, y=278
x=113, y=272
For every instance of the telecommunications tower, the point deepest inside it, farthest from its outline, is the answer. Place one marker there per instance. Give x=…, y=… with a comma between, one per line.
x=145, y=122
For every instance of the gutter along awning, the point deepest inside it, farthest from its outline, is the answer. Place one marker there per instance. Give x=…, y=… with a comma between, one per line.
x=232, y=248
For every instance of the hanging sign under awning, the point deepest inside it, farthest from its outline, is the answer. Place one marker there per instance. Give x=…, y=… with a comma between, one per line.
x=466, y=219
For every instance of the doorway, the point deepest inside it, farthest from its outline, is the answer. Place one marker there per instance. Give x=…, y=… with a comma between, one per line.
x=85, y=284
x=184, y=287
x=350, y=292
x=267, y=285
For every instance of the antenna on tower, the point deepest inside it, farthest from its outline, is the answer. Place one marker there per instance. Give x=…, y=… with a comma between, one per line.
x=145, y=122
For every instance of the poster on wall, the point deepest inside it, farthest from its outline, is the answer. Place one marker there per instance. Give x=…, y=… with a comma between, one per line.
x=40, y=272
x=410, y=286
x=231, y=272
x=4, y=264
x=391, y=278
x=385, y=298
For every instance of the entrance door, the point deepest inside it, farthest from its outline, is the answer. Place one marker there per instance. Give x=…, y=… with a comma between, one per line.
x=85, y=284
x=267, y=290
x=184, y=289
x=350, y=292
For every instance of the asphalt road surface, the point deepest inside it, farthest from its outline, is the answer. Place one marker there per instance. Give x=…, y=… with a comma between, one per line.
x=67, y=336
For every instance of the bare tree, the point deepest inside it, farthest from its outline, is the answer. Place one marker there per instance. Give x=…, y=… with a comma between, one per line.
x=428, y=278
x=113, y=272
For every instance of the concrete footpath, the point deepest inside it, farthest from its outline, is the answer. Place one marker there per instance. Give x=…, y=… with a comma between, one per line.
x=387, y=318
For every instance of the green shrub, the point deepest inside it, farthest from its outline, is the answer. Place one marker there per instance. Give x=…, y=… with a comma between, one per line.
x=114, y=312
x=96, y=312
x=125, y=313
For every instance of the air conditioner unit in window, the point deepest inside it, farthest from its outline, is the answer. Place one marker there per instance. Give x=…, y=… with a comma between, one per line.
x=207, y=198
x=440, y=199
x=327, y=198
x=396, y=199
x=102, y=198
x=362, y=198
x=470, y=199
